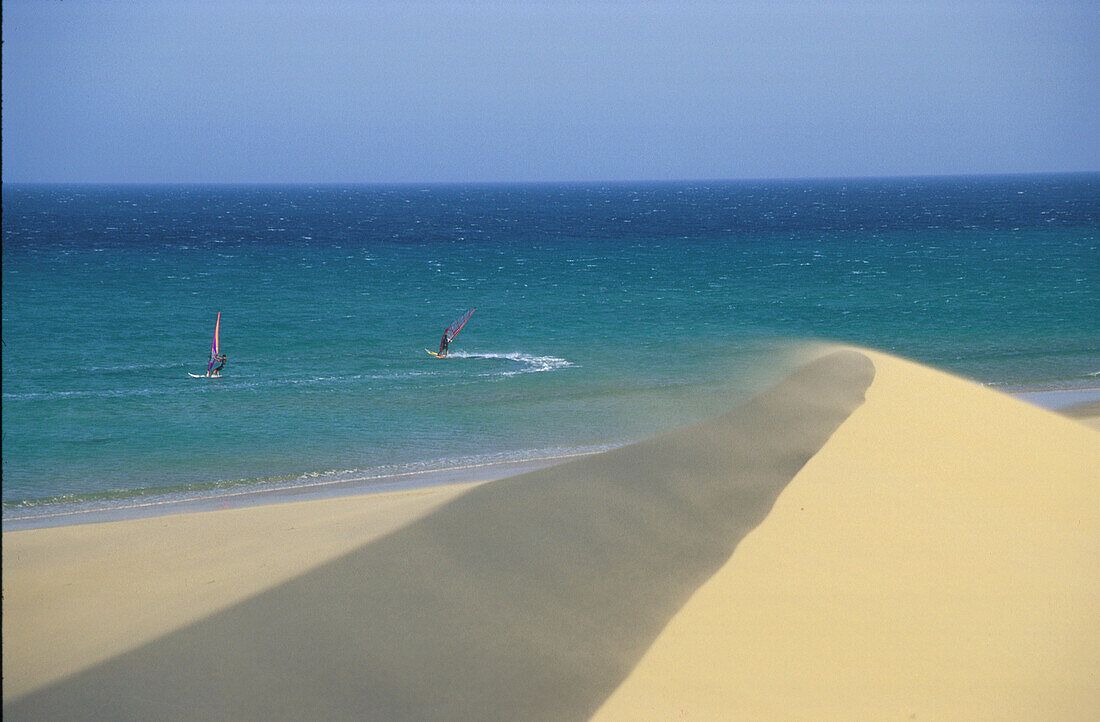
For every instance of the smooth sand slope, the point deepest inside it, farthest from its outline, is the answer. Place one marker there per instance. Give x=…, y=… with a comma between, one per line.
x=939, y=558
x=76, y=596
x=530, y=597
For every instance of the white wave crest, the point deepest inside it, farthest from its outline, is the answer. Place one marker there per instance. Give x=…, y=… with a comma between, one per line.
x=528, y=363
x=128, y=368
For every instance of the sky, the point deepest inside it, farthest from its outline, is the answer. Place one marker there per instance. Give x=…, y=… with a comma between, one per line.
x=419, y=91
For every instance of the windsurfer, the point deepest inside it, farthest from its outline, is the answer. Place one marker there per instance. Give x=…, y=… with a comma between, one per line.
x=450, y=332
x=218, y=370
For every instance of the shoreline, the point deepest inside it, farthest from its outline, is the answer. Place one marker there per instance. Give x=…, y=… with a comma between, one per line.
x=1057, y=399
x=1061, y=401
x=63, y=513
x=1076, y=403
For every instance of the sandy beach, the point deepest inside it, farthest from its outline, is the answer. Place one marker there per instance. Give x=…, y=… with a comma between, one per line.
x=870, y=538
x=77, y=595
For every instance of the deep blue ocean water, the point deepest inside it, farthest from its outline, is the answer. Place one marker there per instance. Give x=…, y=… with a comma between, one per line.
x=605, y=313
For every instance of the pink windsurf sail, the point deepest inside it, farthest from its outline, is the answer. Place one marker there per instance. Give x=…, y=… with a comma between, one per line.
x=215, y=346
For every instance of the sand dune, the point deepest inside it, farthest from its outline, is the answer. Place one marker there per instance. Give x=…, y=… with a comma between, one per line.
x=528, y=597
x=936, y=560
x=928, y=553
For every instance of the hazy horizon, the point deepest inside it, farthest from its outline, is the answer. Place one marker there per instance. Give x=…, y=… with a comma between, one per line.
x=563, y=181
x=442, y=92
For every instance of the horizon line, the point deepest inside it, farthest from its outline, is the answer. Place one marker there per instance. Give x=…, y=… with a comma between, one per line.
x=637, y=181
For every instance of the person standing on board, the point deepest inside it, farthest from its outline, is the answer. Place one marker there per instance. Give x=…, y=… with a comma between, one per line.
x=218, y=370
x=443, y=344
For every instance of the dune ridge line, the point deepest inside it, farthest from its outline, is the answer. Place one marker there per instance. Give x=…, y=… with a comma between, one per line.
x=936, y=559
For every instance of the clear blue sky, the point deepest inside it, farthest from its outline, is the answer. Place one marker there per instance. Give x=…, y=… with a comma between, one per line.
x=536, y=90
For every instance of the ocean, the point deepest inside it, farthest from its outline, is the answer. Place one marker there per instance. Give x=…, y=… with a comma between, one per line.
x=606, y=313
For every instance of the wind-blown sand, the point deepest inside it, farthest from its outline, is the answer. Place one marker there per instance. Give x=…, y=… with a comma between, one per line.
x=932, y=551
x=938, y=558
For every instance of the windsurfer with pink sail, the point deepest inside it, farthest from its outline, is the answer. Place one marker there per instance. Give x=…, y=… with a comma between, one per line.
x=216, y=357
x=450, y=332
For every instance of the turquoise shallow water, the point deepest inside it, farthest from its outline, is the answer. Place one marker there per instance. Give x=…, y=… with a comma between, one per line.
x=605, y=314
